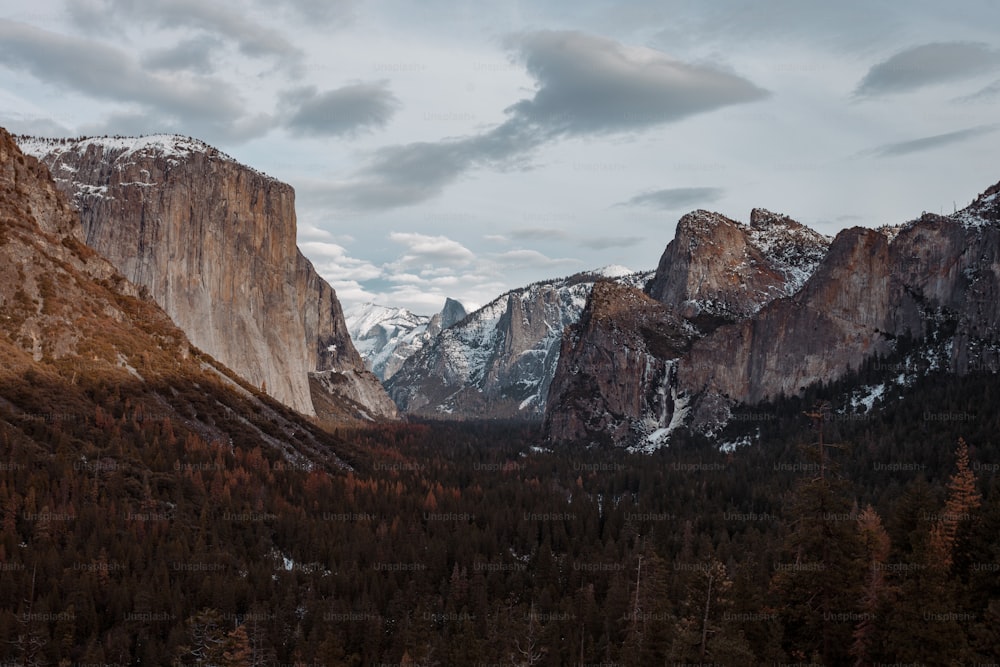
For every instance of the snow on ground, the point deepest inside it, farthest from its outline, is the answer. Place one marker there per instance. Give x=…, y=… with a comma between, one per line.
x=868, y=396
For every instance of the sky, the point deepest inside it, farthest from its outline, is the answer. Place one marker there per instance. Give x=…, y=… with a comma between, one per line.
x=460, y=149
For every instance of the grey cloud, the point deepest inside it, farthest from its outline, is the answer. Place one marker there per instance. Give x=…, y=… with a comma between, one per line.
x=928, y=64
x=602, y=242
x=670, y=199
x=927, y=143
x=591, y=85
x=532, y=258
x=188, y=103
x=411, y=173
x=193, y=55
x=343, y=111
x=326, y=11
x=539, y=234
x=585, y=85
x=847, y=26
x=986, y=94
x=251, y=38
x=423, y=250
x=103, y=71
x=34, y=125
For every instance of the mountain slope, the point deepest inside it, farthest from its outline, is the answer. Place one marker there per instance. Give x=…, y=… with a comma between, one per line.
x=500, y=360
x=385, y=337
x=807, y=318
x=75, y=335
x=937, y=276
x=213, y=242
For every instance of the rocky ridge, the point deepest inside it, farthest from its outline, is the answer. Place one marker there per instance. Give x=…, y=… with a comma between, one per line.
x=498, y=361
x=936, y=278
x=714, y=272
x=385, y=337
x=213, y=242
x=720, y=270
x=616, y=380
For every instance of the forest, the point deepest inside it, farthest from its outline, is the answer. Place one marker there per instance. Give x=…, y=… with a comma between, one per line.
x=127, y=539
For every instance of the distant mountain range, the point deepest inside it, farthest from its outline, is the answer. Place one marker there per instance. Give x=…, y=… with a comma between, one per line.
x=499, y=361
x=385, y=337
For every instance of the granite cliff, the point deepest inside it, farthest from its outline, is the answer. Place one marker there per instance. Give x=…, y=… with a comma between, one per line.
x=775, y=316
x=615, y=382
x=936, y=277
x=617, y=376
x=718, y=270
x=213, y=242
x=77, y=337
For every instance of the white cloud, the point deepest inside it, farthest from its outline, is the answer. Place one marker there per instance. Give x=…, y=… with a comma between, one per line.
x=431, y=251
x=333, y=262
x=532, y=258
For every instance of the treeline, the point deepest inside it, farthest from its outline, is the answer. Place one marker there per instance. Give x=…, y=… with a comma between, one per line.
x=128, y=539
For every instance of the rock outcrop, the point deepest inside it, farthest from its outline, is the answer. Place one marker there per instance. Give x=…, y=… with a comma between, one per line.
x=213, y=242
x=718, y=270
x=616, y=381
x=937, y=274
x=838, y=318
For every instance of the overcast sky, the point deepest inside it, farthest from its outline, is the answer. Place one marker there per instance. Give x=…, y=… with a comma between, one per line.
x=448, y=148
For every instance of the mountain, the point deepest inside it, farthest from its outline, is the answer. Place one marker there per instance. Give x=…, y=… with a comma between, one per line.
x=794, y=311
x=633, y=339
x=617, y=378
x=499, y=361
x=385, y=337
x=718, y=270
x=79, y=341
x=213, y=242
x=936, y=278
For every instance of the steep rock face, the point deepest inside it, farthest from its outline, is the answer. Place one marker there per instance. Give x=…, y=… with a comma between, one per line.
x=500, y=360
x=75, y=334
x=615, y=379
x=714, y=272
x=718, y=270
x=452, y=313
x=214, y=243
x=839, y=316
x=386, y=337
x=937, y=276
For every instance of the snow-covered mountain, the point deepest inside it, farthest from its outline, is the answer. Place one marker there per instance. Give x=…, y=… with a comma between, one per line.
x=499, y=361
x=386, y=337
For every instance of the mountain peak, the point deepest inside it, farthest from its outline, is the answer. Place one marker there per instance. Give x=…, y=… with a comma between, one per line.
x=717, y=267
x=761, y=218
x=452, y=312
x=984, y=210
